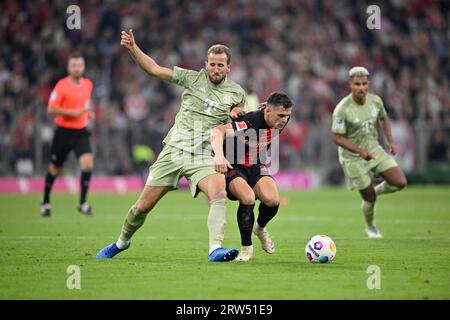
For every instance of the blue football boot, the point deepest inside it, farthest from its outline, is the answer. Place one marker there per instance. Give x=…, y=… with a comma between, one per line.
x=110, y=251
x=222, y=255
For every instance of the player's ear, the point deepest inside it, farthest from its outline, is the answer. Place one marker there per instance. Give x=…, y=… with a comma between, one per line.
x=206, y=64
x=228, y=67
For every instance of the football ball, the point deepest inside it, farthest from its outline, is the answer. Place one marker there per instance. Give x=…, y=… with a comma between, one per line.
x=320, y=249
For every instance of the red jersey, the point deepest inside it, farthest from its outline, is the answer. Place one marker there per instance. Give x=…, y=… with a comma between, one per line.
x=71, y=96
x=252, y=140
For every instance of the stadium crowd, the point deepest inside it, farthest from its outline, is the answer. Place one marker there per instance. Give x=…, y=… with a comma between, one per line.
x=304, y=47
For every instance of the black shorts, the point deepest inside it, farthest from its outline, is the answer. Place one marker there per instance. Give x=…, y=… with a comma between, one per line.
x=66, y=140
x=250, y=174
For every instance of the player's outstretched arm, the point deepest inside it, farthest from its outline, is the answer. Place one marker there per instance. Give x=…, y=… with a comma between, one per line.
x=344, y=142
x=386, y=127
x=144, y=61
x=218, y=134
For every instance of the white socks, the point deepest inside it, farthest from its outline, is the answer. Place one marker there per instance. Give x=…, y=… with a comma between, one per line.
x=369, y=212
x=385, y=187
x=132, y=223
x=122, y=244
x=217, y=221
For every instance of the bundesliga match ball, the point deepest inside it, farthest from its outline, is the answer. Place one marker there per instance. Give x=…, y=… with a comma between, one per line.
x=320, y=249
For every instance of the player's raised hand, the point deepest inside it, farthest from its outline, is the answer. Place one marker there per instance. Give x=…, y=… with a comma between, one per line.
x=127, y=39
x=366, y=155
x=221, y=164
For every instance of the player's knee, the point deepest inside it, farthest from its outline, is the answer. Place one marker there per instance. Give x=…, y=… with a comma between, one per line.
x=402, y=183
x=143, y=206
x=54, y=170
x=87, y=165
x=218, y=195
x=370, y=197
x=247, y=199
x=272, y=201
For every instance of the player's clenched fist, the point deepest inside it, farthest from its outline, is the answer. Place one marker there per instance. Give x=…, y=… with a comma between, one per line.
x=236, y=112
x=127, y=39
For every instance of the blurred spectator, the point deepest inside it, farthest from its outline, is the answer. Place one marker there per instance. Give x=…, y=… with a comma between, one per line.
x=438, y=147
x=303, y=47
x=252, y=99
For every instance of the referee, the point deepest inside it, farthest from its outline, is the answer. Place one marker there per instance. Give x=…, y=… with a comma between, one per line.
x=69, y=104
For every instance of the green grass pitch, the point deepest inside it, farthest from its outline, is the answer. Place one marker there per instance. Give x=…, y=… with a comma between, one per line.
x=168, y=256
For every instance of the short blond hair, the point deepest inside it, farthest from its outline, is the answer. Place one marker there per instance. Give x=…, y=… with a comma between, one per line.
x=358, y=72
x=218, y=49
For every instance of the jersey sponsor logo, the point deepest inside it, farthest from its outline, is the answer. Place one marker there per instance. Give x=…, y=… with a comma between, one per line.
x=241, y=125
x=263, y=170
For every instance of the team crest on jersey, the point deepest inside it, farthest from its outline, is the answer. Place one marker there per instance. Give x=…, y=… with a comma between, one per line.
x=241, y=125
x=53, y=95
x=373, y=112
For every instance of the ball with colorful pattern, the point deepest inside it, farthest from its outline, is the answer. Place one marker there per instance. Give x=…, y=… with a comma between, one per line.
x=320, y=249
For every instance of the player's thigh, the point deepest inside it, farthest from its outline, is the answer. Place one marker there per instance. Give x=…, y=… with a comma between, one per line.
x=166, y=171
x=149, y=197
x=267, y=192
x=357, y=173
x=203, y=177
x=360, y=183
x=394, y=176
x=212, y=184
x=60, y=147
x=242, y=191
x=82, y=148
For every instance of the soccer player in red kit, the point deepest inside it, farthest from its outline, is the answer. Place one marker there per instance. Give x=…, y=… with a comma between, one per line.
x=245, y=166
x=69, y=104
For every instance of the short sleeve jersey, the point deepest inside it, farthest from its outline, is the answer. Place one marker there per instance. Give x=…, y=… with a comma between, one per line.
x=252, y=140
x=71, y=96
x=358, y=123
x=203, y=106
